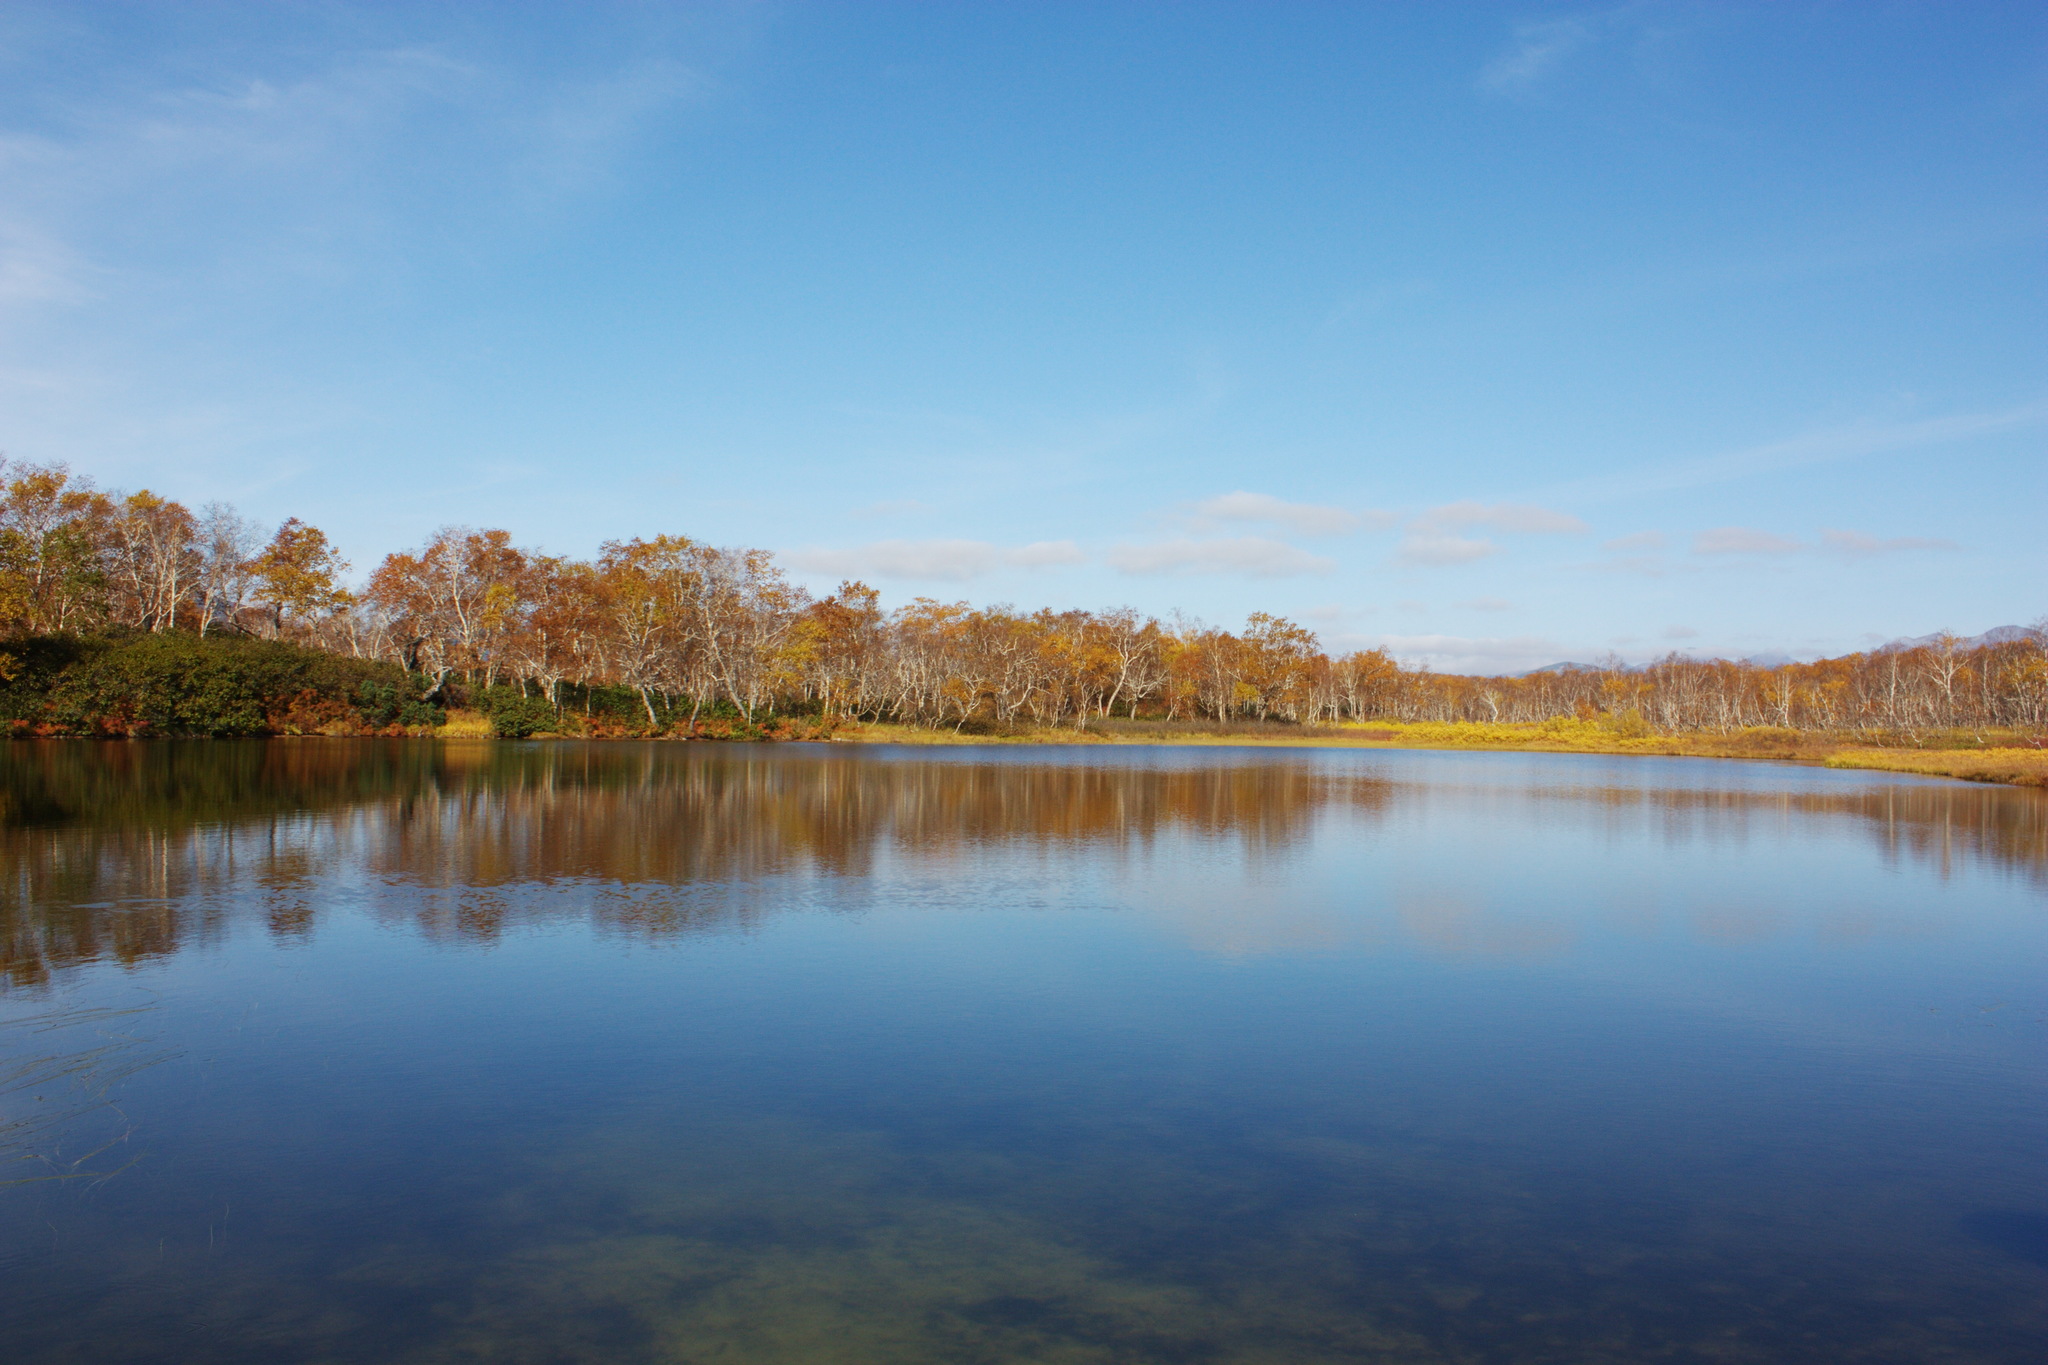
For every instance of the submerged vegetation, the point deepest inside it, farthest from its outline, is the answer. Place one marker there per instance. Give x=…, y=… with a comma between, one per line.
x=132, y=615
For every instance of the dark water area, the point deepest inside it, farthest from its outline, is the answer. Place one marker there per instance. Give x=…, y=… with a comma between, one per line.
x=362, y=1051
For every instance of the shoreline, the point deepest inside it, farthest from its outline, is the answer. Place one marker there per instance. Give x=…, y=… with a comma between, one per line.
x=1998, y=764
x=2023, y=764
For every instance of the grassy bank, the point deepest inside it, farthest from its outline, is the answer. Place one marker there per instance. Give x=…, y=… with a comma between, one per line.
x=2015, y=767
x=174, y=683
x=1974, y=757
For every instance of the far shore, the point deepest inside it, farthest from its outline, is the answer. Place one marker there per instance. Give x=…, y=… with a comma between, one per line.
x=1998, y=758
x=2010, y=759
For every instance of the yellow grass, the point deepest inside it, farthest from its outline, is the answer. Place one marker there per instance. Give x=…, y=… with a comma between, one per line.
x=466, y=725
x=1554, y=736
x=884, y=732
x=2017, y=767
x=2014, y=766
x=2021, y=767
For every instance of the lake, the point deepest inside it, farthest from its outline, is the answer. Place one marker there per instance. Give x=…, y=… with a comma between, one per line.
x=367, y=1051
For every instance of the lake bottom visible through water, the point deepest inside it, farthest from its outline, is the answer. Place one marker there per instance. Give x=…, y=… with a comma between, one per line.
x=365, y=1051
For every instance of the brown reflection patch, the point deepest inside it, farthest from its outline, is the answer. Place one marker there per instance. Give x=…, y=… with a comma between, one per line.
x=127, y=851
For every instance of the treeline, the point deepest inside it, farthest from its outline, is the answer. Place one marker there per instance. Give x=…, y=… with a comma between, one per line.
x=671, y=636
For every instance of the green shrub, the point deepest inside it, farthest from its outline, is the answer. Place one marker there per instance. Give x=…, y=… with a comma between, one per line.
x=176, y=683
x=384, y=704
x=514, y=715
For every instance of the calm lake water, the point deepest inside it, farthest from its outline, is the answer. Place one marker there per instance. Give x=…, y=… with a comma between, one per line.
x=357, y=1051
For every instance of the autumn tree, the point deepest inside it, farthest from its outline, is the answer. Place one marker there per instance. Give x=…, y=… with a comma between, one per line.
x=551, y=638
x=298, y=575
x=1274, y=664
x=737, y=611
x=454, y=602
x=53, y=531
x=1131, y=646
x=152, y=559
x=644, y=592
x=226, y=543
x=691, y=627
x=839, y=647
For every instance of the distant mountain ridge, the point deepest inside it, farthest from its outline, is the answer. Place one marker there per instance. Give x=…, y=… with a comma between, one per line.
x=1997, y=635
x=1566, y=667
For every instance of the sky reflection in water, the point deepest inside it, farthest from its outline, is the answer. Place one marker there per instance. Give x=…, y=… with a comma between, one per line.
x=362, y=1051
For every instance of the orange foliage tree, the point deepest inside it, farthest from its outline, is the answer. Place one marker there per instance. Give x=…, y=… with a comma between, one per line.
x=683, y=629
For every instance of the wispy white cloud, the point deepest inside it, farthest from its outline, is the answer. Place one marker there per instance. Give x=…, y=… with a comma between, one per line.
x=1640, y=540
x=1537, y=50
x=1516, y=517
x=293, y=173
x=1431, y=548
x=1306, y=518
x=1045, y=554
x=41, y=381
x=1250, y=556
x=1434, y=538
x=950, y=561
x=1643, y=566
x=574, y=140
x=37, y=267
x=892, y=507
x=159, y=210
x=1680, y=633
x=1857, y=544
x=1742, y=540
x=1487, y=604
x=990, y=453
x=1463, y=653
x=1852, y=441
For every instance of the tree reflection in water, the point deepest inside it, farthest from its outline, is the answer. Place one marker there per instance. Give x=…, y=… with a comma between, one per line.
x=128, y=851
x=1311, y=1055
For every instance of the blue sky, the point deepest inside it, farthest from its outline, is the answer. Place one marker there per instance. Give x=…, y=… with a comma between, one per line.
x=1497, y=334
